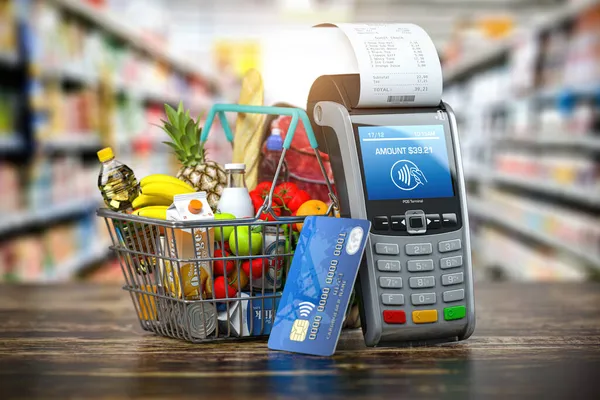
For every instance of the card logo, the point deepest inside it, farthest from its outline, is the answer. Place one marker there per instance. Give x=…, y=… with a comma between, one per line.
x=406, y=175
x=354, y=240
x=299, y=330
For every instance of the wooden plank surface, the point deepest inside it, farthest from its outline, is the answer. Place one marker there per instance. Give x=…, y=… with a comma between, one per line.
x=82, y=341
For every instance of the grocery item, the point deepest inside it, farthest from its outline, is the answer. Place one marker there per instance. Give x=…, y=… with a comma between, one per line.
x=147, y=310
x=235, y=198
x=164, y=190
x=156, y=212
x=242, y=238
x=271, y=157
x=116, y=182
x=220, y=267
x=144, y=200
x=200, y=318
x=196, y=171
x=222, y=233
x=161, y=178
x=311, y=207
x=253, y=268
x=284, y=193
x=274, y=248
x=249, y=127
x=183, y=282
x=249, y=316
x=223, y=289
x=300, y=197
x=190, y=207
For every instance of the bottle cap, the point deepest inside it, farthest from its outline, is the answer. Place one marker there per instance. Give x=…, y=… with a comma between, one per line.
x=195, y=206
x=275, y=141
x=105, y=154
x=235, y=167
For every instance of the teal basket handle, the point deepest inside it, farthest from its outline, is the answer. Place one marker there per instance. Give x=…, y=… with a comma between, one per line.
x=295, y=113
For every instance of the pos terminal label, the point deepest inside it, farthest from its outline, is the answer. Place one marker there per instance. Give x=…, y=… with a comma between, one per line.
x=398, y=65
x=405, y=162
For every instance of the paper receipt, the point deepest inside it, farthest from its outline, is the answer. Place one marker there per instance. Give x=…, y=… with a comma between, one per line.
x=398, y=65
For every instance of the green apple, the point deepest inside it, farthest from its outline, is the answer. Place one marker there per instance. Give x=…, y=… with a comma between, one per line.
x=226, y=229
x=242, y=235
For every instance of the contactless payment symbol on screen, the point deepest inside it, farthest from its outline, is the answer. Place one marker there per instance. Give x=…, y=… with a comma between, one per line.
x=406, y=175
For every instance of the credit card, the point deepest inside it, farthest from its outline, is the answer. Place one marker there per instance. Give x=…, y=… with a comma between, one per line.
x=319, y=285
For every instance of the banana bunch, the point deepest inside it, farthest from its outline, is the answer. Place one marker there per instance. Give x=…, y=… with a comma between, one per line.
x=157, y=195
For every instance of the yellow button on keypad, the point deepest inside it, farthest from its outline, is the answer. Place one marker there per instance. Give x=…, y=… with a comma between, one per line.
x=424, y=316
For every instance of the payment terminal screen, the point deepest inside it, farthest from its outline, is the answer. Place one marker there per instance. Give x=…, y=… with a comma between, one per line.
x=405, y=162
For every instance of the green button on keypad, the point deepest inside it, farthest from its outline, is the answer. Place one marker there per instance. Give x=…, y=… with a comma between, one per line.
x=452, y=313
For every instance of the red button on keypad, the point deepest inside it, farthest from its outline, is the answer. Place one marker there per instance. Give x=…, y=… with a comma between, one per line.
x=394, y=317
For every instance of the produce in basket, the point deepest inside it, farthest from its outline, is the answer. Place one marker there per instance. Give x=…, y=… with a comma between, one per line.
x=239, y=241
x=311, y=207
x=226, y=230
x=196, y=170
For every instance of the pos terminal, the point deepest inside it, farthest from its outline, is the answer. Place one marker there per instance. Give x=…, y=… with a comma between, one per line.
x=400, y=167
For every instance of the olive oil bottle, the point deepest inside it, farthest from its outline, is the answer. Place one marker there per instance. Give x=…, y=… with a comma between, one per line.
x=117, y=183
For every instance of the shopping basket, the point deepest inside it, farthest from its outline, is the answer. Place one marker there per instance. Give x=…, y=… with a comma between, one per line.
x=174, y=294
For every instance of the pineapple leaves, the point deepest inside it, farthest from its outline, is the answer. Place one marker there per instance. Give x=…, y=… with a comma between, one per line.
x=180, y=107
x=172, y=145
x=171, y=115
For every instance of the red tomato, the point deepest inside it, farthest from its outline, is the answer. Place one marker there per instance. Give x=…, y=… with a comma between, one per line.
x=254, y=267
x=220, y=266
x=263, y=189
x=284, y=193
x=300, y=198
x=223, y=289
x=268, y=217
x=257, y=200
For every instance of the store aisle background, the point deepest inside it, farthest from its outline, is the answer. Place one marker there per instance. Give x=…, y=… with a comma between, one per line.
x=522, y=75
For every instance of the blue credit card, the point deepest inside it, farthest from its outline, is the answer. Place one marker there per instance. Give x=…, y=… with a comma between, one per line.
x=319, y=285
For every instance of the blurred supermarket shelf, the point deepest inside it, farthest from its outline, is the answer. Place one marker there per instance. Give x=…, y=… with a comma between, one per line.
x=114, y=26
x=501, y=50
x=79, y=263
x=489, y=213
x=65, y=73
x=584, y=142
x=585, y=196
x=46, y=216
x=9, y=58
x=10, y=142
x=79, y=142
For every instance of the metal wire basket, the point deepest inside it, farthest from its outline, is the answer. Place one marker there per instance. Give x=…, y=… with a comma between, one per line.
x=168, y=265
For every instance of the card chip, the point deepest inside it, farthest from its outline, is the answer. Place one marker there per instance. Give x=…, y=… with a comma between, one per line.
x=299, y=330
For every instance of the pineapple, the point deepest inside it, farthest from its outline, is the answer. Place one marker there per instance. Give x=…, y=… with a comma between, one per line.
x=196, y=171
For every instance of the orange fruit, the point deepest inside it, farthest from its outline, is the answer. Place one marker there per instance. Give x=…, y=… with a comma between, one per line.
x=311, y=207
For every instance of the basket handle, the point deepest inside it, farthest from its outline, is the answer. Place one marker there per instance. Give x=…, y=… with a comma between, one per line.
x=296, y=114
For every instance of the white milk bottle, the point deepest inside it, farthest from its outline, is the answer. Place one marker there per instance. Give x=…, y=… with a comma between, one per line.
x=235, y=198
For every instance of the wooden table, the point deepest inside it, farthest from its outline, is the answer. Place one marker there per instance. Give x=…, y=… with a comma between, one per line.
x=81, y=341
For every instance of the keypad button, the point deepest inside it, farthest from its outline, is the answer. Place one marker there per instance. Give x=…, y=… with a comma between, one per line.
x=388, y=265
x=424, y=316
x=387, y=248
x=381, y=223
x=456, y=312
x=433, y=221
x=422, y=298
x=418, y=249
x=389, y=299
x=419, y=282
x=398, y=222
x=449, y=245
x=454, y=295
x=449, y=220
x=452, y=279
x=416, y=222
x=419, y=265
x=390, y=282
x=451, y=262
x=394, y=317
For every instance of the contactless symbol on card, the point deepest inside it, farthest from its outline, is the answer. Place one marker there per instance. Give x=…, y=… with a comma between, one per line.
x=300, y=326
